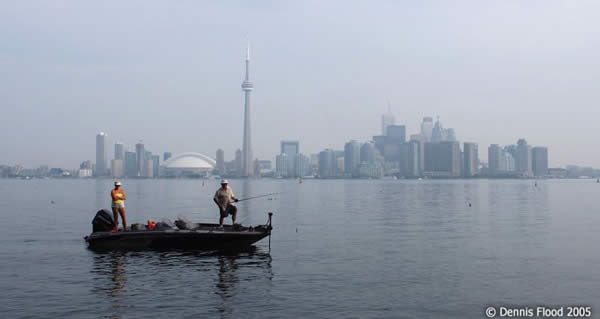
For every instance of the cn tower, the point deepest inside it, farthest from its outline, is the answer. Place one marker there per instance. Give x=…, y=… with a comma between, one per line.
x=247, y=167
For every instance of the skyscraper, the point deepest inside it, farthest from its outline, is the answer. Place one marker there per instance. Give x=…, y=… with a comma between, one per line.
x=471, y=159
x=119, y=151
x=247, y=87
x=291, y=149
x=437, y=133
x=539, y=161
x=523, y=158
x=327, y=164
x=427, y=128
x=494, y=157
x=387, y=120
x=442, y=159
x=351, y=158
x=130, y=164
x=140, y=154
x=166, y=156
x=101, y=155
x=237, y=162
x=281, y=165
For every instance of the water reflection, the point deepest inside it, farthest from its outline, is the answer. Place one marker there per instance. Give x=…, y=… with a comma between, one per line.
x=123, y=279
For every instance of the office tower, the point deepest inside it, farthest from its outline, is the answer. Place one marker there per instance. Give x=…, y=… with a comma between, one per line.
x=379, y=142
x=119, y=151
x=413, y=158
x=140, y=154
x=148, y=168
x=387, y=120
x=281, y=165
x=523, y=158
x=442, y=159
x=155, y=165
x=327, y=164
x=539, y=161
x=247, y=87
x=351, y=158
x=166, y=156
x=437, y=133
x=220, y=161
x=507, y=162
x=86, y=165
x=291, y=149
x=117, y=169
x=471, y=159
x=494, y=157
x=368, y=153
x=427, y=128
x=396, y=134
x=131, y=164
x=101, y=155
x=302, y=165
x=421, y=140
x=238, y=162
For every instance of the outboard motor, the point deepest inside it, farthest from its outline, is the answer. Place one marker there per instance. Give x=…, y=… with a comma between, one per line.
x=103, y=221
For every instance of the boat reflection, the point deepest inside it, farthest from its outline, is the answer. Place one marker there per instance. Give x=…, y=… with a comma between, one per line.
x=122, y=281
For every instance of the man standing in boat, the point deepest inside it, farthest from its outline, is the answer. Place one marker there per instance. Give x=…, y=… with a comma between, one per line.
x=224, y=198
x=118, y=205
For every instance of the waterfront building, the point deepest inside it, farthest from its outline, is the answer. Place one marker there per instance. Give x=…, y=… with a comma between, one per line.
x=166, y=156
x=438, y=132
x=238, y=162
x=523, y=158
x=117, y=168
x=302, y=165
x=140, y=154
x=327, y=164
x=101, y=155
x=421, y=140
x=155, y=165
x=86, y=165
x=351, y=158
x=291, y=149
x=368, y=153
x=131, y=164
x=539, y=163
x=119, y=151
x=494, y=157
x=281, y=165
x=247, y=87
x=442, y=159
x=470, y=159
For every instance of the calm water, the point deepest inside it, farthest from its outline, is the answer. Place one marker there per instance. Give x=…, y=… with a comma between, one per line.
x=399, y=249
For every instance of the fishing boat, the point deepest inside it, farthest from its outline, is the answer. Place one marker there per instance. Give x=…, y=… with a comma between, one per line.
x=181, y=235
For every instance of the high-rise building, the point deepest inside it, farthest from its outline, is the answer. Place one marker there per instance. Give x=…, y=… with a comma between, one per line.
x=523, y=158
x=387, y=120
x=396, y=134
x=155, y=165
x=119, y=151
x=131, y=164
x=471, y=159
x=247, y=87
x=117, y=168
x=450, y=135
x=281, y=165
x=327, y=164
x=302, y=165
x=421, y=140
x=166, y=156
x=494, y=157
x=427, y=128
x=351, y=158
x=539, y=161
x=101, y=155
x=291, y=149
x=368, y=153
x=413, y=158
x=148, y=168
x=238, y=162
x=437, y=133
x=442, y=159
x=140, y=154
x=220, y=161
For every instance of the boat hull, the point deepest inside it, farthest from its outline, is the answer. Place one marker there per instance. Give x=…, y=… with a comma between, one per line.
x=175, y=239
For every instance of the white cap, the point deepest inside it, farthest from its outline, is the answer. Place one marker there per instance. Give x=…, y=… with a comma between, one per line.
x=117, y=183
x=224, y=181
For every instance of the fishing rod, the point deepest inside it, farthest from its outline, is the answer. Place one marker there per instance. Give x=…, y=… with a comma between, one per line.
x=259, y=196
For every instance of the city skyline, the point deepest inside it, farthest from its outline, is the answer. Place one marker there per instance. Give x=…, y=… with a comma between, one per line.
x=493, y=84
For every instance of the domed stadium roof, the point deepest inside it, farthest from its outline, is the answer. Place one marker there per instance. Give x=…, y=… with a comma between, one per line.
x=190, y=161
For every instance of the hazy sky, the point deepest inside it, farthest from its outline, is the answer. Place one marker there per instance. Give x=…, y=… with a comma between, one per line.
x=169, y=72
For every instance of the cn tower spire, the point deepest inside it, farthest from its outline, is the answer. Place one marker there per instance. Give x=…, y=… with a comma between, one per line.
x=247, y=86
